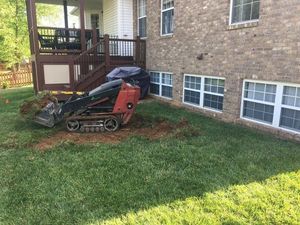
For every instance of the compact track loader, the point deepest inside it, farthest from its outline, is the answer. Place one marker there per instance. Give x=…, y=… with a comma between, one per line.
x=105, y=108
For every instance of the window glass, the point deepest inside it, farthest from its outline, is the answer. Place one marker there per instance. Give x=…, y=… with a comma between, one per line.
x=214, y=85
x=259, y=91
x=167, y=91
x=142, y=8
x=161, y=84
x=168, y=4
x=192, y=97
x=142, y=18
x=213, y=101
x=291, y=96
x=143, y=27
x=290, y=119
x=166, y=78
x=154, y=89
x=258, y=111
x=244, y=10
x=192, y=82
x=154, y=77
x=167, y=21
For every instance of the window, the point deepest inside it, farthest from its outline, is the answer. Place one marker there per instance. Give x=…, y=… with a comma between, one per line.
x=290, y=113
x=204, y=92
x=161, y=84
x=259, y=101
x=275, y=104
x=142, y=18
x=95, y=20
x=244, y=11
x=167, y=17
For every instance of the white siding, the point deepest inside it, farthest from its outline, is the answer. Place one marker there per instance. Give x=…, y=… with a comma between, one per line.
x=125, y=19
x=110, y=17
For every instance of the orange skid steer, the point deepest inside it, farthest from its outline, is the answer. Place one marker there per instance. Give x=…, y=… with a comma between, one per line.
x=105, y=108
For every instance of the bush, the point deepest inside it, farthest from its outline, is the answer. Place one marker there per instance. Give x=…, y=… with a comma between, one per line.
x=4, y=85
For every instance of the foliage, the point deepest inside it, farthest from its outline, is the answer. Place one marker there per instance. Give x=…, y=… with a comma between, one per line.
x=14, y=36
x=4, y=85
x=226, y=175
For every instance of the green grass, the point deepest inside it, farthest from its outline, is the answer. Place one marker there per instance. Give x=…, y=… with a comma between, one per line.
x=226, y=175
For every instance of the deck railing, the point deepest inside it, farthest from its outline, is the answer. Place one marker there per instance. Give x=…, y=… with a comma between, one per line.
x=109, y=52
x=61, y=40
x=89, y=61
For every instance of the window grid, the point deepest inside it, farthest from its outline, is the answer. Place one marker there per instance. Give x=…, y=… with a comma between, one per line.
x=240, y=9
x=286, y=113
x=167, y=10
x=195, y=94
x=142, y=18
x=291, y=96
x=259, y=92
x=161, y=84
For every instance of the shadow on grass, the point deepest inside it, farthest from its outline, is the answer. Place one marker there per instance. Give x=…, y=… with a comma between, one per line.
x=74, y=184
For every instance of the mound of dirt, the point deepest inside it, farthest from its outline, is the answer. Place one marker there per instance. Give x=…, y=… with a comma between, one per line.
x=151, y=129
x=32, y=106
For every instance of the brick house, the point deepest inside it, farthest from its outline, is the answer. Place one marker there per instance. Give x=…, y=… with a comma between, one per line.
x=236, y=60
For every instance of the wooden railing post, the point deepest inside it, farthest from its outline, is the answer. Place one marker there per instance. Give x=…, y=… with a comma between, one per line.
x=72, y=75
x=138, y=50
x=106, y=52
x=94, y=35
x=82, y=25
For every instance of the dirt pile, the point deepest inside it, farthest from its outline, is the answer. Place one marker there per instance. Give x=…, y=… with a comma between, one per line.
x=149, y=128
x=34, y=105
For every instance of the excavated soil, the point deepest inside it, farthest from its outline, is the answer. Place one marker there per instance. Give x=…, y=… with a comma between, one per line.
x=32, y=106
x=138, y=126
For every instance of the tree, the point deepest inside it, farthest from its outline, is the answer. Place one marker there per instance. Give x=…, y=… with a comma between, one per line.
x=14, y=37
x=13, y=32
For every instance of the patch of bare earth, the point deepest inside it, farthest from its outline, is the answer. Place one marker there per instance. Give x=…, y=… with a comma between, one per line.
x=138, y=126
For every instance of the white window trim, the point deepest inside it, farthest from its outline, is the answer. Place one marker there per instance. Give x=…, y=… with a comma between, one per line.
x=161, y=84
x=202, y=92
x=277, y=105
x=239, y=23
x=161, y=19
x=141, y=17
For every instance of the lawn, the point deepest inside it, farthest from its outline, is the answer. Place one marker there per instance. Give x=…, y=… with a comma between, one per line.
x=225, y=174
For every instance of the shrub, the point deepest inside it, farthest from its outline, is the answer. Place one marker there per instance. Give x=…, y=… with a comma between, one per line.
x=4, y=85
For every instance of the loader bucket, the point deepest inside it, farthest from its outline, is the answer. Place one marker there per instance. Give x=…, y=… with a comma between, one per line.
x=49, y=115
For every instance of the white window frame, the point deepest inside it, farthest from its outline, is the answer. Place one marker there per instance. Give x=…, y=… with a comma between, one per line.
x=202, y=92
x=162, y=84
x=239, y=23
x=277, y=104
x=161, y=18
x=141, y=17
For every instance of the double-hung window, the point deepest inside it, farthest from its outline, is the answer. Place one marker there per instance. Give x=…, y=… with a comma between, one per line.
x=290, y=111
x=161, y=84
x=142, y=18
x=244, y=11
x=259, y=101
x=167, y=17
x=204, y=92
x=275, y=104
